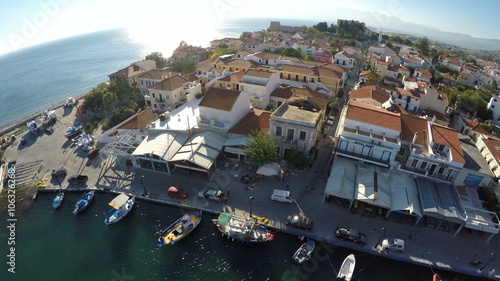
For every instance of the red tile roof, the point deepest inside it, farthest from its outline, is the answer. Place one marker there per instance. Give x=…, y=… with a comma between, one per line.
x=411, y=124
x=140, y=121
x=170, y=84
x=448, y=136
x=287, y=92
x=256, y=120
x=370, y=114
x=222, y=99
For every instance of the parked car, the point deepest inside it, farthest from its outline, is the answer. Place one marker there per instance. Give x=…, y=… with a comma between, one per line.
x=78, y=179
x=330, y=120
x=61, y=172
x=352, y=235
x=93, y=153
x=211, y=194
x=176, y=192
x=393, y=244
x=299, y=221
x=336, y=112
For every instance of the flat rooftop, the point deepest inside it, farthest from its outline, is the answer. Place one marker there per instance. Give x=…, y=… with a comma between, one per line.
x=473, y=158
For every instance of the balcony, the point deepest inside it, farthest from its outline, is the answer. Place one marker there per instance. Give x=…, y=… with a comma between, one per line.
x=362, y=157
x=424, y=173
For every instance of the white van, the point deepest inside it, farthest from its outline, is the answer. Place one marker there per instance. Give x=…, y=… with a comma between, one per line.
x=282, y=196
x=393, y=244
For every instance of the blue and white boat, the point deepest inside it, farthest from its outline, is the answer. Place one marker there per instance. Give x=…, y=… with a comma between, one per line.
x=58, y=200
x=179, y=229
x=73, y=131
x=304, y=252
x=83, y=202
x=33, y=126
x=121, y=206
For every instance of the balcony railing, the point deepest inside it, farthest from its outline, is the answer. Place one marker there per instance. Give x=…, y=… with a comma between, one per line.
x=362, y=156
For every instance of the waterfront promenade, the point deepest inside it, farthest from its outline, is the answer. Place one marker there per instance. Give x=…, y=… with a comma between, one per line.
x=41, y=154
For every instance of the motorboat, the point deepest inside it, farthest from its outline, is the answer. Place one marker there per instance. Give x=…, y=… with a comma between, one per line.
x=48, y=117
x=70, y=101
x=73, y=131
x=347, y=268
x=33, y=126
x=179, y=229
x=58, y=200
x=304, y=252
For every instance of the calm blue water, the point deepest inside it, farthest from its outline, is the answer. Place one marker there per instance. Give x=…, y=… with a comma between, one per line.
x=57, y=245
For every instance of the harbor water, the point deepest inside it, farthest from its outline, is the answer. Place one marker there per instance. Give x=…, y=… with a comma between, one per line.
x=58, y=245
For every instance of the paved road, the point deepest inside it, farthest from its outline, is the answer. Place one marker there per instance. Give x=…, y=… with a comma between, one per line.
x=427, y=246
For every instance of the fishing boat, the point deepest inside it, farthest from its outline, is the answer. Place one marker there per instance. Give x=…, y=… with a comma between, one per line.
x=240, y=229
x=121, y=206
x=70, y=101
x=58, y=200
x=73, y=131
x=33, y=126
x=83, y=202
x=304, y=252
x=48, y=117
x=179, y=229
x=347, y=268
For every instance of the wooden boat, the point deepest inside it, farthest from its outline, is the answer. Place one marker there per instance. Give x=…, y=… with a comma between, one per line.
x=179, y=229
x=121, y=206
x=347, y=268
x=73, y=131
x=240, y=229
x=304, y=252
x=58, y=200
x=83, y=202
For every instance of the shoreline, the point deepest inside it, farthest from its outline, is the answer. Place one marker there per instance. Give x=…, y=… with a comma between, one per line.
x=4, y=130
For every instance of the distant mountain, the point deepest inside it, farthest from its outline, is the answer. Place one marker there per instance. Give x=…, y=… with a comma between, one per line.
x=379, y=21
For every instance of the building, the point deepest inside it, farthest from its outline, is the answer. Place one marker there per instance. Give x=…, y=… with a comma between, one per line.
x=296, y=124
x=494, y=105
x=189, y=53
x=171, y=92
x=345, y=59
x=258, y=85
x=131, y=73
x=276, y=26
x=149, y=78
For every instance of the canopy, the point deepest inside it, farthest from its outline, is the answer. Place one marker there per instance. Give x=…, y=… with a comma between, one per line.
x=224, y=218
x=373, y=186
x=270, y=169
x=119, y=201
x=342, y=179
x=440, y=201
x=173, y=189
x=404, y=196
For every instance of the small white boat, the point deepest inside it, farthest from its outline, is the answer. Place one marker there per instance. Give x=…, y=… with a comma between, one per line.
x=347, y=268
x=121, y=206
x=304, y=252
x=70, y=101
x=33, y=126
x=48, y=117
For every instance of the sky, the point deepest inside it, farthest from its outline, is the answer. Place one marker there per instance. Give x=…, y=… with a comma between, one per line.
x=31, y=22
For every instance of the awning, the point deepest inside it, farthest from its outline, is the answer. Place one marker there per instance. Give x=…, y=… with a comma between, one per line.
x=372, y=186
x=342, y=179
x=404, y=194
x=270, y=169
x=439, y=201
x=119, y=201
x=477, y=217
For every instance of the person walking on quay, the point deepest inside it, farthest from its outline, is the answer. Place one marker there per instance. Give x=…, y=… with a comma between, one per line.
x=411, y=236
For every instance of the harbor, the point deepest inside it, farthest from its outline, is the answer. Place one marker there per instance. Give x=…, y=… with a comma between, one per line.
x=427, y=247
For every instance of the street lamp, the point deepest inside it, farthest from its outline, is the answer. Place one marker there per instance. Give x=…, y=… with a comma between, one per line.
x=490, y=259
x=141, y=180
x=251, y=198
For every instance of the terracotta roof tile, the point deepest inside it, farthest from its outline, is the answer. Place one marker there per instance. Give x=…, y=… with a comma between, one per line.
x=140, y=121
x=256, y=120
x=379, y=95
x=287, y=92
x=448, y=136
x=234, y=78
x=170, y=84
x=370, y=114
x=492, y=145
x=258, y=73
x=410, y=125
x=158, y=74
x=222, y=99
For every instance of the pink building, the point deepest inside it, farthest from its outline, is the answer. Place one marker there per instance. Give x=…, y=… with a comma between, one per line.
x=324, y=56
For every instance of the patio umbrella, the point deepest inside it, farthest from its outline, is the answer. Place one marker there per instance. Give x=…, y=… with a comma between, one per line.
x=270, y=169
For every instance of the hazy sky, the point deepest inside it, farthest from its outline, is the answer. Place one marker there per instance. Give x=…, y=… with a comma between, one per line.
x=30, y=22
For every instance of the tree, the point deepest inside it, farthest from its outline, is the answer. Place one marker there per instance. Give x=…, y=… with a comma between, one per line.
x=261, y=149
x=321, y=26
x=373, y=77
x=182, y=66
x=221, y=51
x=245, y=34
x=407, y=42
x=161, y=62
x=396, y=38
x=109, y=98
x=423, y=46
x=298, y=159
x=291, y=52
x=308, y=58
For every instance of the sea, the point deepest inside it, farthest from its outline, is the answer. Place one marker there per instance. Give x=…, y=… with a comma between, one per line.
x=57, y=245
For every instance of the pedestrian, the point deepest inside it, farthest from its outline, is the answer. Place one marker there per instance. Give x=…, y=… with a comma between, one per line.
x=411, y=236
x=228, y=191
x=287, y=186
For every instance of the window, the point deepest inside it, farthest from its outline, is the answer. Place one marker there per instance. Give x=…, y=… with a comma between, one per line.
x=414, y=163
x=154, y=95
x=492, y=106
x=242, y=88
x=423, y=165
x=278, y=130
x=302, y=135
